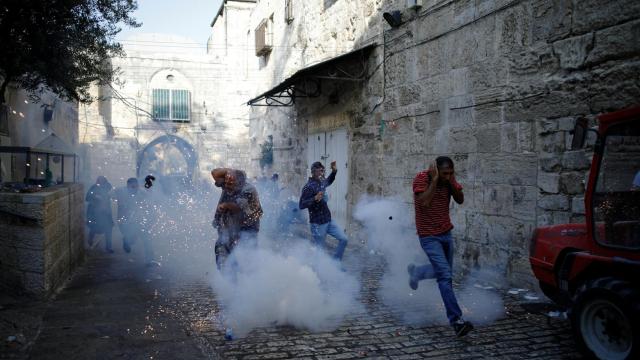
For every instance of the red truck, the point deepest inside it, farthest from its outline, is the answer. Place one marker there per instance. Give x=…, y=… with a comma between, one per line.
x=593, y=268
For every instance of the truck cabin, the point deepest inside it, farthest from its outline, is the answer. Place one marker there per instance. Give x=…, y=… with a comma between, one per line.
x=613, y=201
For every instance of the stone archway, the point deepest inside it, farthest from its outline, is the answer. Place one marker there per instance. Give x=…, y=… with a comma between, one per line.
x=172, y=160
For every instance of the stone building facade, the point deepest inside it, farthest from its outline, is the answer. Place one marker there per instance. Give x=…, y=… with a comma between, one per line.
x=496, y=85
x=175, y=110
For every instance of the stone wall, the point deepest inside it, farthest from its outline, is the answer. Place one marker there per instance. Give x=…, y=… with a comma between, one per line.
x=41, y=238
x=319, y=31
x=99, y=159
x=496, y=85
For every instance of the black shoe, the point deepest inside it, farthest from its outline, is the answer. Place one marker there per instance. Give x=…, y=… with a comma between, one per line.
x=109, y=251
x=126, y=247
x=413, y=282
x=462, y=327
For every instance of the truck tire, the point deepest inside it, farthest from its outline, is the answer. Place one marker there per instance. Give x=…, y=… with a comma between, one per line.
x=605, y=319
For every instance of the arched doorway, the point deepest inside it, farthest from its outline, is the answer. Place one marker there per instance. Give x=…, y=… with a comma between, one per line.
x=171, y=160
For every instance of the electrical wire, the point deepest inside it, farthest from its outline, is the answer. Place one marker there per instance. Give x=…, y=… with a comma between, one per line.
x=492, y=102
x=452, y=30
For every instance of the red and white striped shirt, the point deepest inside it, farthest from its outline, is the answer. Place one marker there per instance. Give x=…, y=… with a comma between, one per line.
x=432, y=220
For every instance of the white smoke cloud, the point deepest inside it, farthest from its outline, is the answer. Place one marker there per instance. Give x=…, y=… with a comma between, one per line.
x=301, y=286
x=285, y=281
x=390, y=231
x=479, y=300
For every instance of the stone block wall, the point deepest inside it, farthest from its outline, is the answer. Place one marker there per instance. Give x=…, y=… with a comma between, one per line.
x=41, y=238
x=498, y=85
x=113, y=158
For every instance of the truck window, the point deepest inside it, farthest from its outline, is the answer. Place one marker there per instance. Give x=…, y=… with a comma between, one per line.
x=616, y=200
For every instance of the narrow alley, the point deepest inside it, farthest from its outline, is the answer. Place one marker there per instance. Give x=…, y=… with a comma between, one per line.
x=319, y=179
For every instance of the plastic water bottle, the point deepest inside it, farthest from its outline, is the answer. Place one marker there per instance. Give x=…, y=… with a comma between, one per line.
x=228, y=334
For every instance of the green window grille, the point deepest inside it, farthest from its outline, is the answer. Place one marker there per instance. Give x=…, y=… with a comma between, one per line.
x=171, y=105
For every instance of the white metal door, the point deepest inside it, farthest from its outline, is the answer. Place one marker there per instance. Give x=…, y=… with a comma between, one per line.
x=316, y=150
x=327, y=147
x=337, y=149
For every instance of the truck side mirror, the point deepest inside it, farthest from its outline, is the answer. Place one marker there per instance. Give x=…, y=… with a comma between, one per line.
x=579, y=134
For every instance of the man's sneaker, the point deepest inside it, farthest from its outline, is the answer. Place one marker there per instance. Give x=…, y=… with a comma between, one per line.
x=109, y=251
x=126, y=247
x=462, y=327
x=413, y=282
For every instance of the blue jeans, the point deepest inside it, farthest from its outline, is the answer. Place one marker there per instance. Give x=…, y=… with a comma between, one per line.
x=439, y=249
x=319, y=233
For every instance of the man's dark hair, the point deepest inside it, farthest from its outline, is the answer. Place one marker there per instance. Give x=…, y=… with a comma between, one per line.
x=148, y=181
x=132, y=181
x=444, y=161
x=317, y=165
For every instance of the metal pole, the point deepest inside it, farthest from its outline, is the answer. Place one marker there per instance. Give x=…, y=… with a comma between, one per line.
x=62, y=175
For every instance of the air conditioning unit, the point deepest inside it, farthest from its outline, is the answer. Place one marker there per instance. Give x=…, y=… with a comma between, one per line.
x=263, y=38
x=414, y=4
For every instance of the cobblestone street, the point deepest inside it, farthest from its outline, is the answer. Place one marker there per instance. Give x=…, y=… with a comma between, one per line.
x=115, y=308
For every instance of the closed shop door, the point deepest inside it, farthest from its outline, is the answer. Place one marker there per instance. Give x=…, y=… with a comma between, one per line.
x=326, y=147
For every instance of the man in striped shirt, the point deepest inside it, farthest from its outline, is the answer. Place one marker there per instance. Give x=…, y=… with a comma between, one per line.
x=433, y=190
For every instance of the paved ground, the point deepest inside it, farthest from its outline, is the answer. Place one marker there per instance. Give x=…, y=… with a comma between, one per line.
x=116, y=308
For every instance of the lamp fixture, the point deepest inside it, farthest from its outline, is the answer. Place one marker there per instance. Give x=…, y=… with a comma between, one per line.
x=393, y=18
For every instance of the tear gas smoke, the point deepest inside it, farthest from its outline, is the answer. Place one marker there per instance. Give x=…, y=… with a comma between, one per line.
x=390, y=230
x=285, y=281
x=297, y=285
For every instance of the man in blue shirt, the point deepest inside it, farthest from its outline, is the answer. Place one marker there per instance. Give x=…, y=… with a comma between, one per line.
x=314, y=198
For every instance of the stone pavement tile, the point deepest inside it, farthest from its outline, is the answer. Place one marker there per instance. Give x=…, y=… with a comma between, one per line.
x=267, y=356
x=417, y=349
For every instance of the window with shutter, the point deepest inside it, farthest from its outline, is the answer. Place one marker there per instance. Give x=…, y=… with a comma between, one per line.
x=171, y=105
